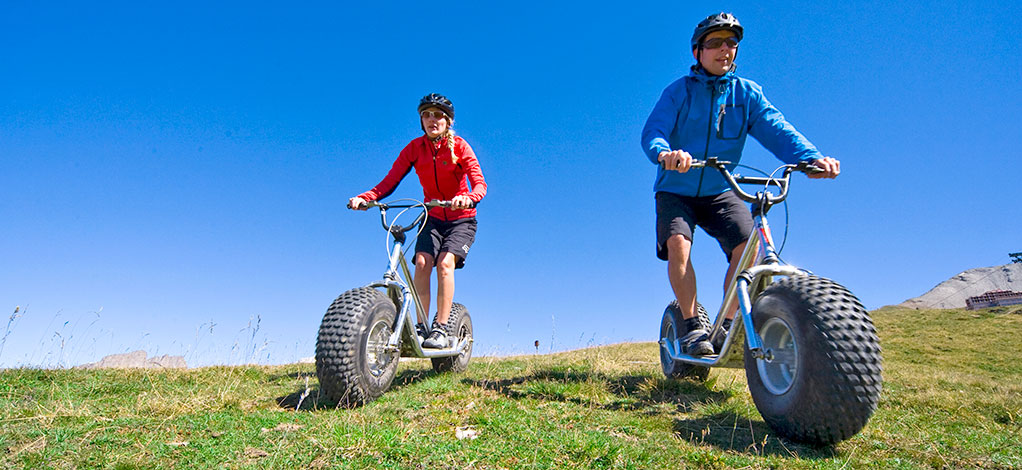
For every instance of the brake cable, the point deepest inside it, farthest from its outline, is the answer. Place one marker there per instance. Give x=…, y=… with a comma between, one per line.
x=784, y=238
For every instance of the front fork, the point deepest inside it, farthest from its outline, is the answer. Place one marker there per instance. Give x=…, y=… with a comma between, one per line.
x=759, y=276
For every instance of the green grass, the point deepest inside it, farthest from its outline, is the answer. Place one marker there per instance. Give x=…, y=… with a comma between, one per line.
x=952, y=399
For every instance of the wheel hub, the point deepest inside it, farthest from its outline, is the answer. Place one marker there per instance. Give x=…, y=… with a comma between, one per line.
x=670, y=343
x=780, y=364
x=378, y=355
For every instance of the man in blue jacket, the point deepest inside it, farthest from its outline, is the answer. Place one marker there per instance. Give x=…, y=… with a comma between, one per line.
x=709, y=113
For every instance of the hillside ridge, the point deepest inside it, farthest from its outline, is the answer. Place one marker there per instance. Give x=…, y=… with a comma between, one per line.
x=953, y=292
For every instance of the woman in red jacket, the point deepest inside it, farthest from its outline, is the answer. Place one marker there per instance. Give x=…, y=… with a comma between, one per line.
x=442, y=161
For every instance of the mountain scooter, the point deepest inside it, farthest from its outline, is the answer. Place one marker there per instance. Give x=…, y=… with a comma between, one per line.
x=367, y=329
x=809, y=348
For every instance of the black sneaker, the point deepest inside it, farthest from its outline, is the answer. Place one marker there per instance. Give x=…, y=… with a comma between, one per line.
x=437, y=337
x=718, y=340
x=695, y=343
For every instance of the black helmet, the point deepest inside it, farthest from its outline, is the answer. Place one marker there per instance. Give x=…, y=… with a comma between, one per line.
x=716, y=22
x=439, y=101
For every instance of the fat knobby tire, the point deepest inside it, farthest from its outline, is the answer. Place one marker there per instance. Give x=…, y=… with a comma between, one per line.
x=459, y=326
x=837, y=382
x=342, y=363
x=672, y=319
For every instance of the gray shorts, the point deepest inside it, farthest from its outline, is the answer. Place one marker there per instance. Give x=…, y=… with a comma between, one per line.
x=454, y=237
x=723, y=216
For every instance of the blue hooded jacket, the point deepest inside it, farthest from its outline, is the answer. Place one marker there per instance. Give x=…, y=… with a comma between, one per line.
x=707, y=115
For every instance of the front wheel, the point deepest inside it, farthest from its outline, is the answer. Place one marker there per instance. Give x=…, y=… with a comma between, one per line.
x=353, y=364
x=459, y=325
x=672, y=329
x=821, y=379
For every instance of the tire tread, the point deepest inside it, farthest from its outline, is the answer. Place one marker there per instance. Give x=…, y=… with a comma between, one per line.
x=338, y=348
x=842, y=394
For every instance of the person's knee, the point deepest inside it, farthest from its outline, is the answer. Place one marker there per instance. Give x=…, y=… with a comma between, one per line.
x=446, y=266
x=423, y=262
x=678, y=247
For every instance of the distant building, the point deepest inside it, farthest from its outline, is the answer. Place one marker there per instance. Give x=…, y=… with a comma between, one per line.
x=994, y=298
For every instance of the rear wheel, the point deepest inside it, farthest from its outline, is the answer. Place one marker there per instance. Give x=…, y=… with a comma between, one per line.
x=672, y=329
x=352, y=363
x=459, y=326
x=821, y=380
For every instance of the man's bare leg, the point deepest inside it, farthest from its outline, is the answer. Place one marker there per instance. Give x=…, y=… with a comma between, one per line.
x=683, y=282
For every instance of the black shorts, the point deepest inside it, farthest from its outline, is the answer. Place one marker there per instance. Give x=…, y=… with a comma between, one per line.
x=454, y=237
x=724, y=217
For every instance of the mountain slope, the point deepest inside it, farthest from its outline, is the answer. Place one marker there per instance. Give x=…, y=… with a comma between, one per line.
x=953, y=292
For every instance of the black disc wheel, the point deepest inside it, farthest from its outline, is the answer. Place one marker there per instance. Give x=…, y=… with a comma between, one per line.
x=672, y=329
x=820, y=379
x=459, y=326
x=353, y=363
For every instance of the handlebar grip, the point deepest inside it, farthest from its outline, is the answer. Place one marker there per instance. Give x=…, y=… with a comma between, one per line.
x=711, y=162
x=695, y=164
x=365, y=204
x=446, y=203
x=808, y=168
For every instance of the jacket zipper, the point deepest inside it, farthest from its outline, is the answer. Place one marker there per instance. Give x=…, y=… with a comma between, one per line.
x=709, y=134
x=436, y=179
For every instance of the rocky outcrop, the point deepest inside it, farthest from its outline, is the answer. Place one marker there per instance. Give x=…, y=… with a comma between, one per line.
x=137, y=360
x=953, y=292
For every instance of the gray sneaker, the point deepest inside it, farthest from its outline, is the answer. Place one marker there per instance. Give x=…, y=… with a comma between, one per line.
x=437, y=337
x=695, y=343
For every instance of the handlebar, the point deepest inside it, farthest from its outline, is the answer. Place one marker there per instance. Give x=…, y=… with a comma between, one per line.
x=763, y=197
x=397, y=230
x=434, y=203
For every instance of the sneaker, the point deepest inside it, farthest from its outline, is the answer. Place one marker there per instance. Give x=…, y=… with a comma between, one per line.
x=437, y=337
x=718, y=340
x=421, y=331
x=695, y=343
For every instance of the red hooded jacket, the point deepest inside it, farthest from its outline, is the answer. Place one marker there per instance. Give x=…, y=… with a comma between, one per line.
x=440, y=178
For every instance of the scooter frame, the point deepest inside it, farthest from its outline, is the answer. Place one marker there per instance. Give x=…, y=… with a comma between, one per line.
x=756, y=268
x=405, y=337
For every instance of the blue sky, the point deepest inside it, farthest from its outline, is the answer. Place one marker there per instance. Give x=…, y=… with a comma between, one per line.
x=175, y=175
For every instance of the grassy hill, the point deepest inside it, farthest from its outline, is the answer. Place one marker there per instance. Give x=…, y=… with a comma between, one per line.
x=952, y=399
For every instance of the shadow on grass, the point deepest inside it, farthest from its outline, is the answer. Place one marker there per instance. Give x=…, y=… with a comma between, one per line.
x=731, y=431
x=312, y=399
x=650, y=395
x=632, y=392
x=292, y=375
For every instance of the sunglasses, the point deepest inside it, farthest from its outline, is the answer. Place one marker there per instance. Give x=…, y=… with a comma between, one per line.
x=433, y=114
x=715, y=43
